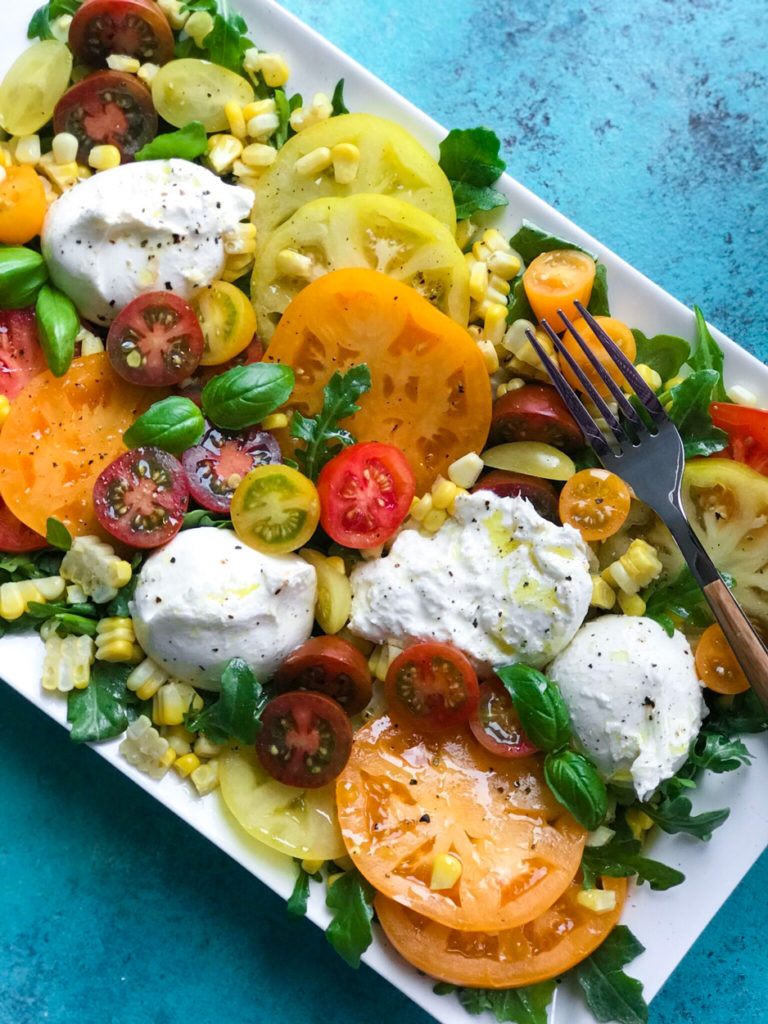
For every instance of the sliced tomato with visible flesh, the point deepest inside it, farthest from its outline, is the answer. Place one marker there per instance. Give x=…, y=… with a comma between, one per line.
x=405, y=797
x=134, y=28
x=747, y=431
x=216, y=466
x=716, y=664
x=365, y=494
x=108, y=108
x=22, y=205
x=227, y=320
x=535, y=412
x=617, y=331
x=141, y=498
x=21, y=357
x=555, y=280
x=329, y=665
x=495, y=725
x=15, y=536
x=541, y=493
x=275, y=509
x=192, y=387
x=305, y=739
x=596, y=503
x=432, y=687
x=156, y=340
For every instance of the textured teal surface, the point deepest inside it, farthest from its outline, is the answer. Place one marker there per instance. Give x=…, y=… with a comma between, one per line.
x=646, y=124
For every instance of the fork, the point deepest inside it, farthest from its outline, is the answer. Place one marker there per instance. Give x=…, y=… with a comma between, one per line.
x=647, y=453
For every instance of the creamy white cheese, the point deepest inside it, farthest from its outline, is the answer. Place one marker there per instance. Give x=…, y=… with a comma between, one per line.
x=154, y=225
x=206, y=597
x=634, y=697
x=497, y=580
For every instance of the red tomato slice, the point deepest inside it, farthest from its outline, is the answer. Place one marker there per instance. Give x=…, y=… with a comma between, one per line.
x=21, y=357
x=136, y=28
x=329, y=665
x=495, y=725
x=15, y=536
x=747, y=431
x=305, y=739
x=431, y=687
x=365, y=494
x=141, y=497
x=535, y=412
x=541, y=493
x=108, y=108
x=216, y=466
x=192, y=387
x=156, y=340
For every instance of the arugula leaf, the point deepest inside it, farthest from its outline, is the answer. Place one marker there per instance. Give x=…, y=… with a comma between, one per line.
x=323, y=437
x=530, y=242
x=577, y=784
x=714, y=752
x=350, y=898
x=29, y=565
x=296, y=904
x=201, y=517
x=57, y=534
x=690, y=413
x=539, y=705
x=734, y=716
x=337, y=100
x=285, y=108
x=226, y=43
x=610, y=994
x=244, y=395
x=664, y=353
x=707, y=355
x=101, y=710
x=119, y=605
x=672, y=813
x=235, y=714
x=173, y=424
x=519, y=307
x=471, y=162
x=188, y=143
x=40, y=24
x=681, y=596
x=598, y=299
x=622, y=857
x=526, y=1005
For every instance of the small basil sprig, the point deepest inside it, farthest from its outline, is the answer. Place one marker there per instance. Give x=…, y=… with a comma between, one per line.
x=244, y=395
x=543, y=714
x=57, y=326
x=57, y=535
x=187, y=143
x=22, y=274
x=172, y=424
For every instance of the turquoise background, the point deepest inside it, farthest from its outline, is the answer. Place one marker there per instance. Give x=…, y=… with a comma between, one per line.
x=646, y=124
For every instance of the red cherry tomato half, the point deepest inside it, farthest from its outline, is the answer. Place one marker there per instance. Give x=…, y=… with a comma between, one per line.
x=431, y=687
x=329, y=665
x=216, y=466
x=156, y=340
x=21, y=357
x=541, y=493
x=135, y=28
x=141, y=497
x=365, y=494
x=192, y=387
x=16, y=536
x=747, y=431
x=305, y=739
x=108, y=108
x=495, y=725
x=535, y=412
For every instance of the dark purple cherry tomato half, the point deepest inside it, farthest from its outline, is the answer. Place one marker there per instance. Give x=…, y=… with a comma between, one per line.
x=141, y=498
x=535, y=412
x=329, y=665
x=495, y=725
x=135, y=28
x=305, y=739
x=541, y=493
x=192, y=387
x=107, y=109
x=216, y=466
x=431, y=687
x=156, y=340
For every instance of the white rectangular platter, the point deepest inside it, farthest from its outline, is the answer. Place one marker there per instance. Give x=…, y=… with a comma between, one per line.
x=666, y=923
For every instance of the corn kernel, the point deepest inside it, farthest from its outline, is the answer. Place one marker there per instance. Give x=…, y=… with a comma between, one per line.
x=637, y=567
x=649, y=375
x=104, y=158
x=223, y=150
x=481, y=251
x=146, y=679
x=421, y=507
x=638, y=821
x=740, y=395
x=489, y=355
x=95, y=567
x=258, y=155
x=64, y=148
x=304, y=117
x=495, y=241
x=240, y=240
x=599, y=901
x=179, y=738
x=27, y=149
x=433, y=520
x=205, y=777
x=464, y=472
x=171, y=702
x=478, y=279
x=90, y=344
x=504, y=264
x=198, y=27
x=295, y=264
x=600, y=836
x=631, y=604
x=443, y=493
x=465, y=229
x=495, y=324
x=5, y=408
x=498, y=286
x=252, y=59
x=186, y=764
x=122, y=62
x=115, y=639
x=206, y=748
x=259, y=107
x=274, y=69
x=262, y=126
x=51, y=588
x=446, y=871
x=60, y=27
x=147, y=72
x=67, y=663
x=371, y=554
x=168, y=757
x=314, y=162
x=311, y=866
x=172, y=9
x=513, y=384
x=673, y=382
x=63, y=176
x=603, y=595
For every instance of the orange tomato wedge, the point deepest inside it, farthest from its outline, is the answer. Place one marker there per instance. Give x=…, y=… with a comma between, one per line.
x=555, y=280
x=22, y=205
x=595, y=502
x=716, y=664
x=616, y=331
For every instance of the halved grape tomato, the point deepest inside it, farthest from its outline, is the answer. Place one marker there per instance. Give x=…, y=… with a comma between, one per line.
x=216, y=466
x=495, y=725
x=431, y=687
x=156, y=340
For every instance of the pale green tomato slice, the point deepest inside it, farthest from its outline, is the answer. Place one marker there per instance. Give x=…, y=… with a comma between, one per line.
x=195, y=90
x=33, y=86
x=297, y=822
x=532, y=457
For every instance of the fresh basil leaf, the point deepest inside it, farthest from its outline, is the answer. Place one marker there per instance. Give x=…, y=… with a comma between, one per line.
x=235, y=714
x=714, y=752
x=322, y=436
x=226, y=43
x=244, y=395
x=707, y=355
x=201, y=517
x=664, y=353
x=350, y=898
x=296, y=904
x=40, y=25
x=530, y=242
x=173, y=424
x=100, y=711
x=284, y=109
x=611, y=995
x=681, y=597
x=471, y=162
x=622, y=857
x=576, y=783
x=735, y=716
x=187, y=143
x=673, y=815
x=57, y=534
x=690, y=413
x=519, y=307
x=526, y=1005
x=539, y=706
x=586, y=459
x=598, y=304
x=337, y=100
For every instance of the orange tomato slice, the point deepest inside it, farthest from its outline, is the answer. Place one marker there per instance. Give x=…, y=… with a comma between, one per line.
x=404, y=798
x=595, y=502
x=716, y=664
x=558, y=939
x=22, y=205
x=59, y=435
x=617, y=331
x=430, y=393
x=557, y=279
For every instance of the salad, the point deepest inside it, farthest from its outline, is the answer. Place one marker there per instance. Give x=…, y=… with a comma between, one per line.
x=298, y=516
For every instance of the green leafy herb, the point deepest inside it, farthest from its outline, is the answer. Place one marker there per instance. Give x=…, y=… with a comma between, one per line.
x=598, y=304
x=672, y=813
x=29, y=565
x=690, y=413
x=201, y=517
x=539, y=706
x=470, y=159
x=734, y=716
x=101, y=710
x=682, y=597
x=226, y=43
x=235, y=714
x=664, y=353
x=622, y=857
x=519, y=307
x=530, y=242
x=527, y=1005
x=65, y=623
x=22, y=274
x=120, y=604
x=57, y=534
x=296, y=904
x=576, y=783
x=244, y=395
x=188, y=143
x=173, y=424
x=707, y=355
x=611, y=994
x=337, y=100
x=350, y=898
x=40, y=25
x=58, y=324
x=714, y=752
x=322, y=436
x=284, y=108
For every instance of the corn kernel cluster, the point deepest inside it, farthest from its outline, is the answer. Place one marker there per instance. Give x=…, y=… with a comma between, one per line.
x=381, y=658
x=637, y=567
x=146, y=749
x=116, y=640
x=95, y=568
x=492, y=265
x=67, y=663
x=430, y=511
x=58, y=168
x=599, y=901
x=146, y=679
x=15, y=597
x=172, y=700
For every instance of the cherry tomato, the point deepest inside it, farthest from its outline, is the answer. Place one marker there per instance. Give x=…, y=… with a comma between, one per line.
x=329, y=665
x=747, y=431
x=21, y=357
x=365, y=494
x=135, y=28
x=432, y=687
x=495, y=725
x=555, y=280
x=15, y=535
x=541, y=493
x=535, y=412
x=22, y=205
x=305, y=739
x=216, y=466
x=192, y=387
x=716, y=664
x=156, y=340
x=617, y=331
x=595, y=502
x=275, y=509
x=108, y=108
x=227, y=320
x=141, y=497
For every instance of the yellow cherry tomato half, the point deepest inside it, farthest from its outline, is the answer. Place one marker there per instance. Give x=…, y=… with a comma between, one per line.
x=275, y=509
x=227, y=320
x=716, y=664
x=618, y=332
x=535, y=458
x=596, y=503
x=22, y=205
x=555, y=280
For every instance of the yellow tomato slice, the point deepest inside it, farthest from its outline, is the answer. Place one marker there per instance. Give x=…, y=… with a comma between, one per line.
x=196, y=90
x=275, y=509
x=33, y=85
x=596, y=503
x=227, y=320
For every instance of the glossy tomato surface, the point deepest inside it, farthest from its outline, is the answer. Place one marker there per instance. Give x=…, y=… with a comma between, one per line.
x=329, y=665
x=21, y=357
x=495, y=725
x=535, y=412
x=432, y=687
x=134, y=28
x=747, y=431
x=15, y=536
x=156, y=340
x=216, y=466
x=541, y=493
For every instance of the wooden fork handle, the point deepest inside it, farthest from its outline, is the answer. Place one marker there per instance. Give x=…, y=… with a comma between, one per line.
x=745, y=643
